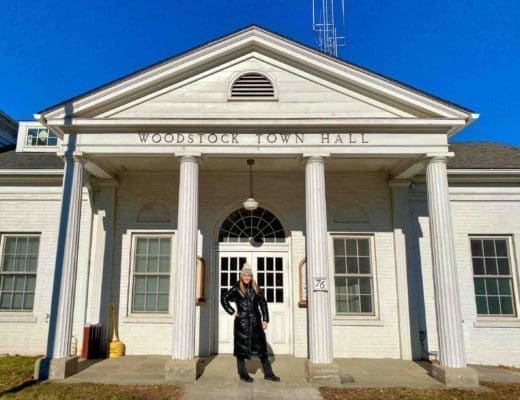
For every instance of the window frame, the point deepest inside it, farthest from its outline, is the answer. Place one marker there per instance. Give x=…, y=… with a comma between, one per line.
x=21, y=312
x=491, y=318
x=354, y=318
x=149, y=315
x=29, y=148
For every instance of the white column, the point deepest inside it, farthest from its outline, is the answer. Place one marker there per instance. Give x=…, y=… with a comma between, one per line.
x=183, y=281
x=60, y=324
x=104, y=192
x=319, y=312
x=447, y=300
x=401, y=223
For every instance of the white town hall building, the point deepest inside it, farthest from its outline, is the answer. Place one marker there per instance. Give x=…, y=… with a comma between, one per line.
x=373, y=237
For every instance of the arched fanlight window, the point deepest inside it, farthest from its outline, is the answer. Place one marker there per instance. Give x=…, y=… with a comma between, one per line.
x=252, y=85
x=257, y=226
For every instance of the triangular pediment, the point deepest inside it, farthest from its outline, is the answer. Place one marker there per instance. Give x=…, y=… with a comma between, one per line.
x=308, y=83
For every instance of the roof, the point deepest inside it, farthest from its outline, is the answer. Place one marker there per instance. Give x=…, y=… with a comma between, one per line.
x=468, y=155
x=484, y=155
x=245, y=30
x=10, y=159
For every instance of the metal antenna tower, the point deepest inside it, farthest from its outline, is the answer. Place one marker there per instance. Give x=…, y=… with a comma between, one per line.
x=329, y=31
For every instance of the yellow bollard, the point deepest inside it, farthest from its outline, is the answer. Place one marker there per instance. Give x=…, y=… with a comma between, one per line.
x=116, y=348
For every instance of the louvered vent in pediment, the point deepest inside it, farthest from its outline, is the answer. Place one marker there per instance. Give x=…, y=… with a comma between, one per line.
x=252, y=86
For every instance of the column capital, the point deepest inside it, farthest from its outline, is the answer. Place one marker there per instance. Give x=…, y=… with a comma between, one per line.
x=397, y=183
x=315, y=157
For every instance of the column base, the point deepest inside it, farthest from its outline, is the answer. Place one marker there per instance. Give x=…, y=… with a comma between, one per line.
x=325, y=373
x=181, y=371
x=455, y=377
x=55, y=368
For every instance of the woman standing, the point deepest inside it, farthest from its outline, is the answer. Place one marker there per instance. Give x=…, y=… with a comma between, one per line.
x=249, y=335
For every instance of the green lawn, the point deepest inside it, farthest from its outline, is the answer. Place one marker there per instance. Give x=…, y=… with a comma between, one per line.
x=16, y=382
x=499, y=391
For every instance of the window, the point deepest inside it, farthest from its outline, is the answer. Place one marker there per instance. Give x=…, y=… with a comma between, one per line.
x=151, y=277
x=41, y=137
x=256, y=227
x=353, y=277
x=18, y=272
x=492, y=276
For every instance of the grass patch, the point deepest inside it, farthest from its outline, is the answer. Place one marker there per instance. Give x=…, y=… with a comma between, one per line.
x=500, y=391
x=16, y=382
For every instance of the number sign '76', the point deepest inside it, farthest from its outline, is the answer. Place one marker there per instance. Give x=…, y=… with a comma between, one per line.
x=320, y=284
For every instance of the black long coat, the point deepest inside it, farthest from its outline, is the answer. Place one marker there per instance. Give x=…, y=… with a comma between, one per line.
x=248, y=333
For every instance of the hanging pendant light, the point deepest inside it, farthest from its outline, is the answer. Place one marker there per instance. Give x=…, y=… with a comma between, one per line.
x=250, y=204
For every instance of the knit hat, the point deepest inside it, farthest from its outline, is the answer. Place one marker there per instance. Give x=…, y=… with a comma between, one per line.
x=246, y=270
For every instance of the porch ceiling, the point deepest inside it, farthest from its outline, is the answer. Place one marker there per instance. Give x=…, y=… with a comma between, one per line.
x=160, y=164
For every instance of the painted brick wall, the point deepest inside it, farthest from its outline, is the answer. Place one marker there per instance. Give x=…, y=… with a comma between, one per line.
x=35, y=209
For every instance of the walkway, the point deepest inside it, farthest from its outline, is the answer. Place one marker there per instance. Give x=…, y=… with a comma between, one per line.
x=219, y=380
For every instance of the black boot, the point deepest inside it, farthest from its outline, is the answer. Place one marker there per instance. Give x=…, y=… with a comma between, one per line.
x=246, y=378
x=272, y=377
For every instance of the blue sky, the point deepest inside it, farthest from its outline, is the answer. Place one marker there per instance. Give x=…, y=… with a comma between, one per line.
x=465, y=51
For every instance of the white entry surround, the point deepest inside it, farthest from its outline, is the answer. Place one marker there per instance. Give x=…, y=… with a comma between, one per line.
x=342, y=155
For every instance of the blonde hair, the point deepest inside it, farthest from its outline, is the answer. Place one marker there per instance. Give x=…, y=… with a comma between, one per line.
x=242, y=286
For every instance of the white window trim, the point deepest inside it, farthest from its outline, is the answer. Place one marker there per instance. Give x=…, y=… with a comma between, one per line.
x=23, y=131
x=147, y=317
x=354, y=319
x=20, y=315
x=496, y=321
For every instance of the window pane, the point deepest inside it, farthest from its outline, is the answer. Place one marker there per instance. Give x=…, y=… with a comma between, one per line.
x=153, y=246
x=279, y=280
x=52, y=140
x=140, y=284
x=28, y=301
x=19, y=264
x=353, y=285
x=270, y=295
x=363, y=247
x=494, y=305
x=261, y=280
x=507, y=304
x=151, y=284
x=352, y=265
x=5, y=301
x=141, y=246
x=491, y=286
x=491, y=266
x=269, y=261
x=339, y=247
x=478, y=266
x=279, y=264
x=279, y=295
x=351, y=247
x=19, y=283
x=165, y=247
x=504, y=286
x=150, y=303
x=34, y=244
x=353, y=304
x=481, y=305
x=162, y=302
x=9, y=262
x=223, y=263
x=365, y=285
x=153, y=264
x=503, y=266
x=480, y=287
x=341, y=286
x=233, y=264
x=489, y=248
x=270, y=279
x=340, y=266
x=476, y=247
x=7, y=283
x=366, y=304
x=223, y=279
x=140, y=264
x=164, y=264
x=501, y=247
x=364, y=265
x=139, y=302
x=260, y=263
x=17, y=300
x=21, y=246
x=31, y=262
